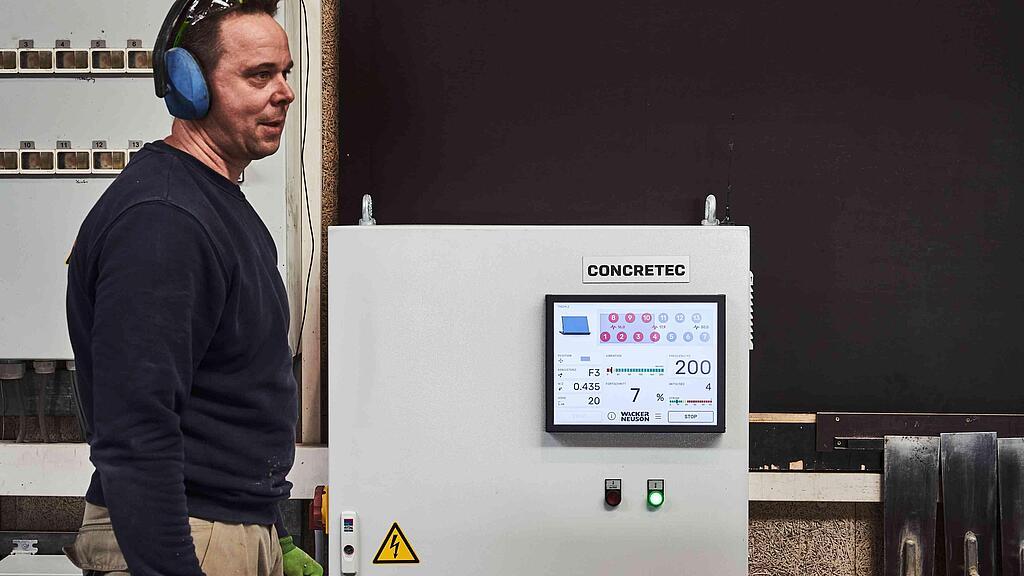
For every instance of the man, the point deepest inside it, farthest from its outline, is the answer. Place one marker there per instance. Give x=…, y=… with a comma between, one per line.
x=179, y=322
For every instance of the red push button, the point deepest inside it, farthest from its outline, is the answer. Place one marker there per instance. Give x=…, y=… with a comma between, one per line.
x=613, y=497
x=613, y=492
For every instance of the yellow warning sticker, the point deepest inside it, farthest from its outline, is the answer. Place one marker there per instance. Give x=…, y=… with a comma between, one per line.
x=395, y=549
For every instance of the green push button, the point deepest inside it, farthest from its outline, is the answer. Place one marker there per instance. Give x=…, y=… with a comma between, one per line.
x=655, y=493
x=655, y=498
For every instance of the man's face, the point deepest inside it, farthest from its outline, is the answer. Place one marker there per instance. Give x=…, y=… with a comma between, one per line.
x=249, y=93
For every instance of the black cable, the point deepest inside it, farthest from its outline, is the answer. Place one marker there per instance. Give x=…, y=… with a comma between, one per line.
x=76, y=396
x=3, y=411
x=303, y=99
x=727, y=220
x=728, y=185
x=19, y=389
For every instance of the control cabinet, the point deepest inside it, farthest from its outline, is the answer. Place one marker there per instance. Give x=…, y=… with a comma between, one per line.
x=487, y=417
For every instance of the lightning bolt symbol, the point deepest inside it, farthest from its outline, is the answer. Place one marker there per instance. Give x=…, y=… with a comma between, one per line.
x=395, y=544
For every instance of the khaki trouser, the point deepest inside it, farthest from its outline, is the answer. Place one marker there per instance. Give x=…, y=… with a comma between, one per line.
x=222, y=549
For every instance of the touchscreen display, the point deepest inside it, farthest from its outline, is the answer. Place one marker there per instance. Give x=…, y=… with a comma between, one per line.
x=641, y=363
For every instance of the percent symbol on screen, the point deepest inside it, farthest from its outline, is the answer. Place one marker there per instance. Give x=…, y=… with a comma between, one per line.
x=661, y=397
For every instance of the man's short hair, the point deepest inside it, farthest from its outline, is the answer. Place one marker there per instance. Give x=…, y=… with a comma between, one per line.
x=203, y=39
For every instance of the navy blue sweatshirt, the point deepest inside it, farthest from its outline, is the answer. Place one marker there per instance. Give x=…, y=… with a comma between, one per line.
x=179, y=323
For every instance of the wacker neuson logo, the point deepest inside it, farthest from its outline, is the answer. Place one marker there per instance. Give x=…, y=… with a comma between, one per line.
x=636, y=269
x=635, y=417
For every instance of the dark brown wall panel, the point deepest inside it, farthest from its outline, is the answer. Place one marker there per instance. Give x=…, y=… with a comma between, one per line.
x=878, y=160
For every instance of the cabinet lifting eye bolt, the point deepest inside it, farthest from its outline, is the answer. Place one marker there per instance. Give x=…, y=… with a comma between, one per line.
x=367, y=219
x=710, y=206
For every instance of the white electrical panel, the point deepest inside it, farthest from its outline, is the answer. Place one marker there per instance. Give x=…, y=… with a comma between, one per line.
x=448, y=450
x=74, y=74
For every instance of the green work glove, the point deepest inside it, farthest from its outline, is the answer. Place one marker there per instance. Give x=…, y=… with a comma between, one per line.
x=297, y=562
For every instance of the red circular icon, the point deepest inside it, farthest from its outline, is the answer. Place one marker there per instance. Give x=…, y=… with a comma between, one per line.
x=630, y=317
x=605, y=336
x=655, y=336
x=621, y=336
x=646, y=317
x=613, y=317
x=613, y=497
x=638, y=336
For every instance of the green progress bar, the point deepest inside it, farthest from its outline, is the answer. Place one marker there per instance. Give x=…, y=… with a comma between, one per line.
x=639, y=370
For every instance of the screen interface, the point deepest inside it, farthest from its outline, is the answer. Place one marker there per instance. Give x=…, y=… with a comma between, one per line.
x=636, y=364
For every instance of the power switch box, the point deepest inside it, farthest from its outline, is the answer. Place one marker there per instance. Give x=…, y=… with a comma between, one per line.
x=35, y=161
x=70, y=161
x=32, y=60
x=8, y=61
x=8, y=161
x=106, y=161
x=67, y=59
x=349, y=543
x=140, y=60
x=105, y=60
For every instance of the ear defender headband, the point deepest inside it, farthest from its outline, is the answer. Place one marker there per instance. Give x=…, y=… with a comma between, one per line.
x=177, y=76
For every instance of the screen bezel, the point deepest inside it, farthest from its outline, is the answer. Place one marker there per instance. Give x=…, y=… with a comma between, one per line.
x=549, y=363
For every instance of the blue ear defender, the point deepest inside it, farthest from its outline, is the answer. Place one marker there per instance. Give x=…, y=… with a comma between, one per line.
x=177, y=76
x=187, y=96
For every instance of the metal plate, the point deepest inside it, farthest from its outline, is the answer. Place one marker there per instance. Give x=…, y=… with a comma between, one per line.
x=851, y=430
x=1011, y=504
x=786, y=446
x=911, y=493
x=969, y=498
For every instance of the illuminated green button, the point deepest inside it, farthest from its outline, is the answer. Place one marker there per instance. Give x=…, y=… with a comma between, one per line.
x=655, y=498
x=655, y=493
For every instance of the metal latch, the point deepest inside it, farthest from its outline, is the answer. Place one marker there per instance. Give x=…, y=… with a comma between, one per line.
x=858, y=443
x=910, y=560
x=971, y=555
x=27, y=547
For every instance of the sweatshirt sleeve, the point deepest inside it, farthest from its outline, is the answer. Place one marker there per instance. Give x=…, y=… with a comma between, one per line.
x=159, y=295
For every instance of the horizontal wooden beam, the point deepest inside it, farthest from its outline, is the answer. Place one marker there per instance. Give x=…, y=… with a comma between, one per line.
x=815, y=487
x=64, y=470
x=781, y=418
